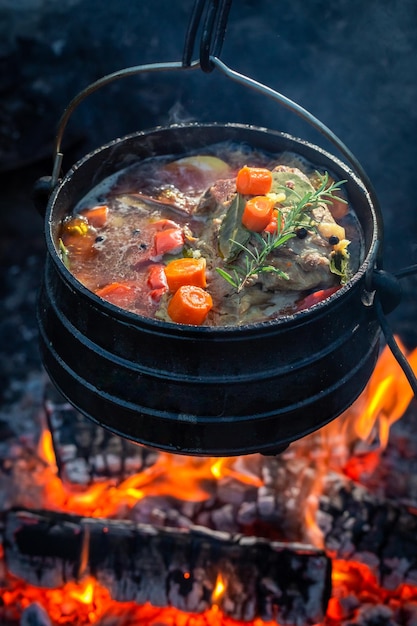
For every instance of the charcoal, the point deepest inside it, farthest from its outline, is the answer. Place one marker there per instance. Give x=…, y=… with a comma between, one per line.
x=35, y=615
x=87, y=453
x=288, y=583
x=366, y=528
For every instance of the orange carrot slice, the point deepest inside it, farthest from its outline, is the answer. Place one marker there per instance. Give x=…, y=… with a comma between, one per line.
x=254, y=181
x=186, y=272
x=96, y=216
x=272, y=227
x=258, y=213
x=190, y=305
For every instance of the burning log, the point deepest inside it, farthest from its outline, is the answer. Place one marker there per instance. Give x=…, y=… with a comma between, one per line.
x=360, y=526
x=190, y=570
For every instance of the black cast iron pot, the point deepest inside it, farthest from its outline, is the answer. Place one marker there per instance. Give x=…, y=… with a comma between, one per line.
x=202, y=390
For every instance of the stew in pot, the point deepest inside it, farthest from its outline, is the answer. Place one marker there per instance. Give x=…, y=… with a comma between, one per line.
x=226, y=237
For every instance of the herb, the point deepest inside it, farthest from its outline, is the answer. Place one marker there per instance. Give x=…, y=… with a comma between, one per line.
x=233, y=235
x=339, y=261
x=301, y=198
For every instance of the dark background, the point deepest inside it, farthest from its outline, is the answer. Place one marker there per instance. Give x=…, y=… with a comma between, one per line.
x=353, y=64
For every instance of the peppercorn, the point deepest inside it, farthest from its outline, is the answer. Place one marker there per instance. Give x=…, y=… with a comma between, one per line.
x=301, y=232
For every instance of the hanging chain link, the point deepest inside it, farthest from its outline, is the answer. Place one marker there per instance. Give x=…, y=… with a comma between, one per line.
x=213, y=30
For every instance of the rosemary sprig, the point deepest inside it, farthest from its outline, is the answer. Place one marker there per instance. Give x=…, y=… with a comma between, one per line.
x=255, y=261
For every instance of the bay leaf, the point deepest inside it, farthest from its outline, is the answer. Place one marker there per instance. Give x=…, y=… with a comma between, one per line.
x=232, y=232
x=301, y=187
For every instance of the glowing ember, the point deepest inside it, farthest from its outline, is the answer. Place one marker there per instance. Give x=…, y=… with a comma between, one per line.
x=195, y=480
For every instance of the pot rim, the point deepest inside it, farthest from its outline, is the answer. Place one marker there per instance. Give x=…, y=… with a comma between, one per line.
x=369, y=262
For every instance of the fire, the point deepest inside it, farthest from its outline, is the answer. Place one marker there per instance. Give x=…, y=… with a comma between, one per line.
x=386, y=397
x=383, y=402
x=88, y=603
x=355, y=580
x=219, y=589
x=179, y=477
x=74, y=603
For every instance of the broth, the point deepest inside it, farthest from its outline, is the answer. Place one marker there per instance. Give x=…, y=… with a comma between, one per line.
x=156, y=219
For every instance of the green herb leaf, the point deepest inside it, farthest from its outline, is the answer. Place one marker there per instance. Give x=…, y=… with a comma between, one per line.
x=300, y=189
x=232, y=233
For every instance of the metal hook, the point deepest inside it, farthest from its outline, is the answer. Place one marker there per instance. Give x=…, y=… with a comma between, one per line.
x=213, y=31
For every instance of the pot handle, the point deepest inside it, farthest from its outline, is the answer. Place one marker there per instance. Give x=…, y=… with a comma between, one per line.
x=233, y=75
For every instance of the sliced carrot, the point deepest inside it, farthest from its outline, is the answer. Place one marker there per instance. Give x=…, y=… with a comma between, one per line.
x=112, y=288
x=258, y=213
x=186, y=272
x=169, y=240
x=190, y=305
x=272, y=227
x=96, y=216
x=254, y=181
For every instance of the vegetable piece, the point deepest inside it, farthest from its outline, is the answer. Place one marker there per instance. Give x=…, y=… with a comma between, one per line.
x=190, y=305
x=187, y=271
x=196, y=172
x=316, y=297
x=254, y=181
x=156, y=277
x=157, y=282
x=96, y=216
x=272, y=227
x=338, y=206
x=257, y=213
x=78, y=238
x=331, y=229
x=169, y=240
x=113, y=288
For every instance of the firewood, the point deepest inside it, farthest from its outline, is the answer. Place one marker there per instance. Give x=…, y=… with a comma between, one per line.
x=288, y=583
x=364, y=527
x=87, y=453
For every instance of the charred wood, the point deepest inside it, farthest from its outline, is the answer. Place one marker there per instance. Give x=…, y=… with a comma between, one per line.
x=35, y=615
x=288, y=583
x=87, y=453
x=363, y=527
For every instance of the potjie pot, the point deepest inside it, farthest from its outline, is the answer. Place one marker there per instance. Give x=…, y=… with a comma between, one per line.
x=206, y=390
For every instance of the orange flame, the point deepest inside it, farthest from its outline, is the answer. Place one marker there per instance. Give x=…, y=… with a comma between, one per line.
x=219, y=589
x=382, y=403
x=386, y=397
x=178, y=477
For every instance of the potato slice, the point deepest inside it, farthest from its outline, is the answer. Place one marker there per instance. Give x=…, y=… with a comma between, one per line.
x=331, y=229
